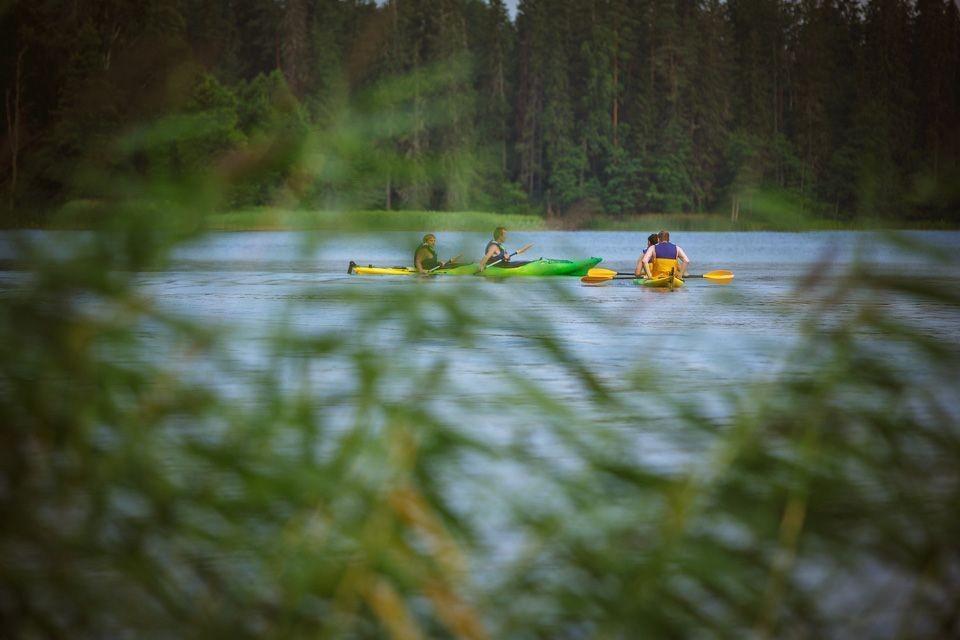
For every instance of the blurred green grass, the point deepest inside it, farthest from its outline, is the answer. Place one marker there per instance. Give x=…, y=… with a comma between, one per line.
x=83, y=215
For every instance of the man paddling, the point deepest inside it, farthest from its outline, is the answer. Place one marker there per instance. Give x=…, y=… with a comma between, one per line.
x=665, y=257
x=495, y=253
x=425, y=257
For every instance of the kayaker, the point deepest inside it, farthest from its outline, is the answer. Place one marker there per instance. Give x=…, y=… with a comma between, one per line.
x=652, y=239
x=495, y=253
x=664, y=256
x=425, y=257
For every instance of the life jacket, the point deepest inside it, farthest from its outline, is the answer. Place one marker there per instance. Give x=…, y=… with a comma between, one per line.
x=427, y=263
x=501, y=255
x=664, y=258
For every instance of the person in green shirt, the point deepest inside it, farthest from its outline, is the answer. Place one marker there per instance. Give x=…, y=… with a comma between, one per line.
x=425, y=257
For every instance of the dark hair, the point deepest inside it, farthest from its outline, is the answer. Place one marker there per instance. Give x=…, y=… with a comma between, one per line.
x=498, y=231
x=652, y=239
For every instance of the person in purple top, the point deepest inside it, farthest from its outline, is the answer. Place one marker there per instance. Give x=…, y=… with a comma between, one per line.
x=662, y=258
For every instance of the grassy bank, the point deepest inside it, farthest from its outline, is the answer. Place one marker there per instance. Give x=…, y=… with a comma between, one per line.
x=775, y=220
x=280, y=219
x=84, y=216
x=718, y=222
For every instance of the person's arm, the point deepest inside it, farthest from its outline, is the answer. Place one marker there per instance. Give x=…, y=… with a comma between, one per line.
x=686, y=261
x=643, y=264
x=489, y=254
x=418, y=261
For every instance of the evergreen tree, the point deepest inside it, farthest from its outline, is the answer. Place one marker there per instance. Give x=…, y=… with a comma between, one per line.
x=884, y=127
x=214, y=129
x=491, y=44
x=533, y=41
x=294, y=51
x=709, y=100
x=760, y=34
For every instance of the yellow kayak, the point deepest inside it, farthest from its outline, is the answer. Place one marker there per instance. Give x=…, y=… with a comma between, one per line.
x=667, y=280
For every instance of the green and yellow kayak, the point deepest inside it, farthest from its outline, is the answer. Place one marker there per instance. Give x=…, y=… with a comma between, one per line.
x=668, y=281
x=541, y=267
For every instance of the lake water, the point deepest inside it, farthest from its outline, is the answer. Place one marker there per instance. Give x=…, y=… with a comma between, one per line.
x=702, y=343
x=701, y=334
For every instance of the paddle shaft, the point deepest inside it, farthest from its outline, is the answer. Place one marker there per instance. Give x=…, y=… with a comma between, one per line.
x=520, y=250
x=447, y=263
x=718, y=274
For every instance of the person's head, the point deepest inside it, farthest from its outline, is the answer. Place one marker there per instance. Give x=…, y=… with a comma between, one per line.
x=664, y=236
x=652, y=239
x=500, y=234
x=430, y=239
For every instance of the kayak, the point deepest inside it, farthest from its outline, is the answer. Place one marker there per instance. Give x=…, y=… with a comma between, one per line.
x=370, y=270
x=667, y=280
x=540, y=267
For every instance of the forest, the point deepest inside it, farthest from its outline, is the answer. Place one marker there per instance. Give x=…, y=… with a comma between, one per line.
x=845, y=107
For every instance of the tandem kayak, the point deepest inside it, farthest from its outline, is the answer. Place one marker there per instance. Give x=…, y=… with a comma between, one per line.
x=668, y=280
x=540, y=267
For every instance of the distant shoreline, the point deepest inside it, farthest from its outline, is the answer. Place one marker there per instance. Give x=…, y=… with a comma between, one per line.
x=85, y=216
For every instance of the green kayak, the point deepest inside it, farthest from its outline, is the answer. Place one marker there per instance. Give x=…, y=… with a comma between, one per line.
x=541, y=267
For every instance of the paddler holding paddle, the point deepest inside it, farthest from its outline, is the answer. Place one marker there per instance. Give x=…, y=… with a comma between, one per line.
x=425, y=257
x=665, y=257
x=495, y=253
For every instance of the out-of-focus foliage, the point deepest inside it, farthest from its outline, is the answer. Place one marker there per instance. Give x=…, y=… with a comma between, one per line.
x=154, y=485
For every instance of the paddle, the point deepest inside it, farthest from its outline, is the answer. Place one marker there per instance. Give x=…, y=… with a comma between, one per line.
x=446, y=264
x=598, y=275
x=518, y=251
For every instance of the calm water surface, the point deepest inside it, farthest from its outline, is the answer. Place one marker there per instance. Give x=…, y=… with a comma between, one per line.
x=700, y=336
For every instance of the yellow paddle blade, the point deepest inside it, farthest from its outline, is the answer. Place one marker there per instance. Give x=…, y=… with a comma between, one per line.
x=600, y=271
x=589, y=279
x=720, y=275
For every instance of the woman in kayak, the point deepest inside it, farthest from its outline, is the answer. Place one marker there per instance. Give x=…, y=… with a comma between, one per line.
x=652, y=239
x=425, y=257
x=495, y=253
x=665, y=256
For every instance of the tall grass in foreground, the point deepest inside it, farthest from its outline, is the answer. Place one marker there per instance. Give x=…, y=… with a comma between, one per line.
x=153, y=486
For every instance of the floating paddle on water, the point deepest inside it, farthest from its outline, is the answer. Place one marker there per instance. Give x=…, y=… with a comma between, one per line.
x=599, y=275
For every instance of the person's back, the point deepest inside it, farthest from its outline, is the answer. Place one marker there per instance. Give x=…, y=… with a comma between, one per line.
x=664, y=258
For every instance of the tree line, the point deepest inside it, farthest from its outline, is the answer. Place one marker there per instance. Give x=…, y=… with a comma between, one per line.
x=615, y=106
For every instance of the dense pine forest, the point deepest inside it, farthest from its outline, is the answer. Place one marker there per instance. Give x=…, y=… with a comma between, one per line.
x=575, y=107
